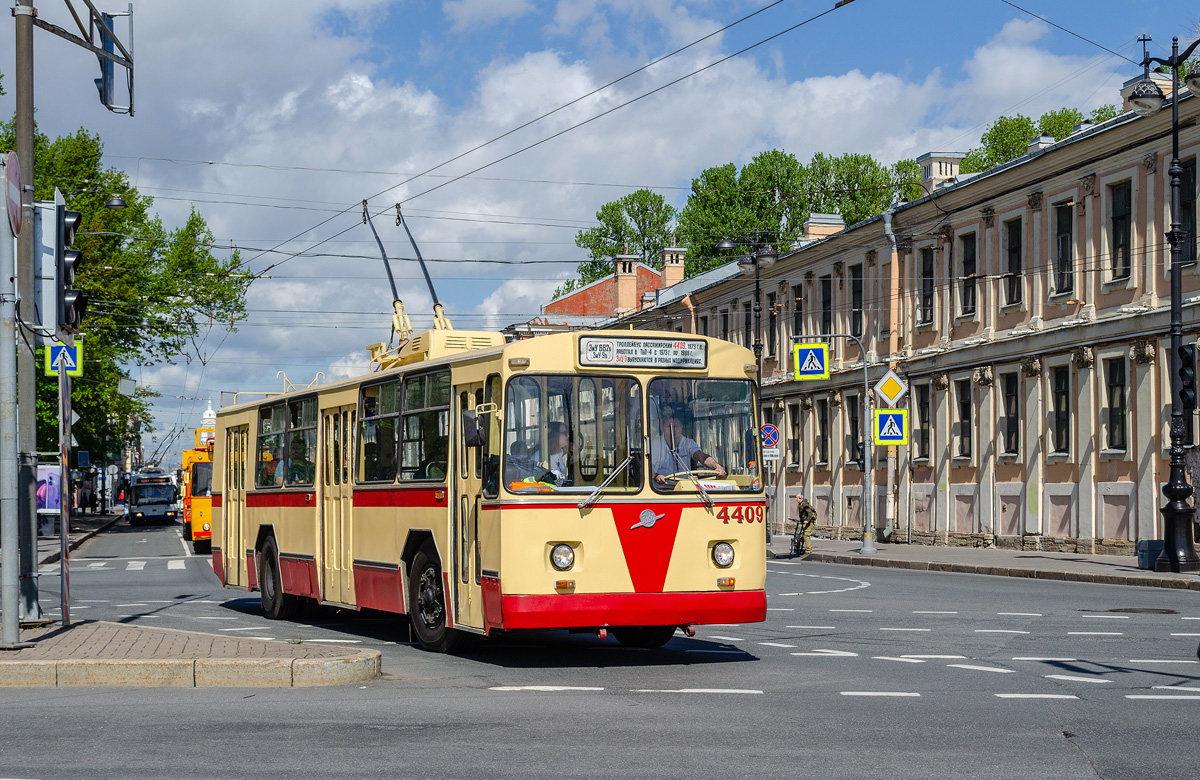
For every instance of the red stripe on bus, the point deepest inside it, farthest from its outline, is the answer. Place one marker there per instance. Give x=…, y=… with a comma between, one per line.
x=218, y=564
x=592, y=610
x=400, y=497
x=296, y=500
x=216, y=500
x=378, y=588
x=521, y=507
x=199, y=536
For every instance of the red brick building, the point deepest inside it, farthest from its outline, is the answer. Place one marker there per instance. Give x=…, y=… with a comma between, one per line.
x=624, y=291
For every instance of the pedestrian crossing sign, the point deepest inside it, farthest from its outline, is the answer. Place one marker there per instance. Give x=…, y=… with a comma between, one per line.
x=71, y=358
x=891, y=427
x=812, y=361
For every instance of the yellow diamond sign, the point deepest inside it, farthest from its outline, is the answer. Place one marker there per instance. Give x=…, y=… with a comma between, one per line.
x=891, y=388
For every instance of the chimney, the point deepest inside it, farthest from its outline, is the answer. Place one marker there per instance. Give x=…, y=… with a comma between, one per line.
x=1040, y=143
x=672, y=265
x=1163, y=80
x=625, y=268
x=938, y=168
x=818, y=226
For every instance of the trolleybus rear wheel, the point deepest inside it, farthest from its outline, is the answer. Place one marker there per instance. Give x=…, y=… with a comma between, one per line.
x=277, y=604
x=427, y=604
x=644, y=636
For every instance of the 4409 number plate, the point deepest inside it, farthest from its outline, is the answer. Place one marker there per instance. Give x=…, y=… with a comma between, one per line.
x=747, y=513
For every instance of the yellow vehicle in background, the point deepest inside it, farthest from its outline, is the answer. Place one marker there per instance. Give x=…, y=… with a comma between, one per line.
x=197, y=486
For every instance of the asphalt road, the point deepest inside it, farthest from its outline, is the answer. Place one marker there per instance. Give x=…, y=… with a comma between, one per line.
x=856, y=673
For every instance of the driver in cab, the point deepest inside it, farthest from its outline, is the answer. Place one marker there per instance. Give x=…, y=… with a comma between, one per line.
x=673, y=453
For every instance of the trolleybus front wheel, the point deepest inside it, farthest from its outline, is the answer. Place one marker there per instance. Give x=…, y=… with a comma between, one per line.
x=277, y=604
x=427, y=605
x=644, y=636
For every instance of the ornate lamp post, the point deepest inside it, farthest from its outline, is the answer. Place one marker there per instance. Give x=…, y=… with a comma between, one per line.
x=760, y=256
x=1179, y=553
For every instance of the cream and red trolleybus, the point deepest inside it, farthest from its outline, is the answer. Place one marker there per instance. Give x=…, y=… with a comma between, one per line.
x=603, y=480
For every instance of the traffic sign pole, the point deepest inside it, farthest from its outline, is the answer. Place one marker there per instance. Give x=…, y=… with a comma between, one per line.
x=10, y=560
x=64, y=483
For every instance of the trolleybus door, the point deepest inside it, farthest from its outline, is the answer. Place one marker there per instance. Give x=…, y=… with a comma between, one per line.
x=468, y=495
x=233, y=506
x=337, y=559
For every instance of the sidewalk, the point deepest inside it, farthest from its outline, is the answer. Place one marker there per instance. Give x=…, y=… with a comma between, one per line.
x=99, y=653
x=1073, y=567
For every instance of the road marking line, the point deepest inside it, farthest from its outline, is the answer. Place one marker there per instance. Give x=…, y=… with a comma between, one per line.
x=247, y=628
x=135, y=604
x=982, y=668
x=933, y=657
x=211, y=618
x=725, y=638
x=827, y=628
x=1108, y=617
x=336, y=641
x=1069, y=678
x=1174, y=688
x=543, y=688
x=906, y=629
x=1042, y=658
x=783, y=563
x=782, y=609
x=775, y=644
x=931, y=612
x=1190, y=618
x=1035, y=696
x=894, y=658
x=1021, y=614
x=851, y=610
x=1185, y=634
x=830, y=654
x=998, y=631
x=1095, y=633
x=99, y=565
x=135, y=566
x=739, y=652
x=1159, y=696
x=1160, y=661
x=177, y=563
x=94, y=601
x=698, y=690
x=879, y=693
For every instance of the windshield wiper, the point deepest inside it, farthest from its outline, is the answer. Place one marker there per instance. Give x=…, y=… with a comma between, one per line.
x=595, y=495
x=708, y=502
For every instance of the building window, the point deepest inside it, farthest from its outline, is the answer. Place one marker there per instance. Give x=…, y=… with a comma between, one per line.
x=725, y=324
x=968, y=275
x=1011, y=428
x=793, y=433
x=826, y=305
x=1187, y=215
x=822, y=438
x=704, y=326
x=1061, y=425
x=924, y=422
x=1064, y=255
x=962, y=392
x=797, y=310
x=1121, y=198
x=925, y=309
x=1115, y=374
x=854, y=419
x=1013, y=279
x=856, y=300
x=747, y=326
x=772, y=324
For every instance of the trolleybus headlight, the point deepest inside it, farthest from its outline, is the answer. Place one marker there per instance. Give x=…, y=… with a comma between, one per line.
x=562, y=557
x=723, y=554
x=206, y=528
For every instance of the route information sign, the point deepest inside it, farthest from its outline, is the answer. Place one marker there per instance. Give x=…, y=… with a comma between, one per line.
x=643, y=353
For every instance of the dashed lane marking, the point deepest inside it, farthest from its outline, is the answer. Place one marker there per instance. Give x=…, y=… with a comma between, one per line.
x=135, y=566
x=775, y=644
x=974, y=668
x=544, y=688
x=1174, y=688
x=998, y=631
x=203, y=617
x=1161, y=661
x=830, y=654
x=698, y=690
x=1021, y=614
x=932, y=612
x=882, y=693
x=1159, y=696
x=1095, y=633
x=1108, y=617
x=1035, y=696
x=177, y=563
x=824, y=628
x=247, y=628
x=725, y=638
x=906, y=629
x=1043, y=658
x=901, y=660
x=933, y=657
x=135, y=604
x=1069, y=678
x=851, y=610
x=1185, y=634
x=782, y=609
x=337, y=641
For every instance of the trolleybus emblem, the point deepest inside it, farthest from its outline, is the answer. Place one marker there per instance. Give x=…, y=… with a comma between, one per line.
x=646, y=519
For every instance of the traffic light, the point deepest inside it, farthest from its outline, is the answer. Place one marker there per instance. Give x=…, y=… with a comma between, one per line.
x=1187, y=377
x=71, y=302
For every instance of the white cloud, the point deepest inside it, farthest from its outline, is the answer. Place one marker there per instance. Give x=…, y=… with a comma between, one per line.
x=466, y=13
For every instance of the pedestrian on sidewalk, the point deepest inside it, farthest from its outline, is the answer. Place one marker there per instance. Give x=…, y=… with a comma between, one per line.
x=93, y=503
x=806, y=518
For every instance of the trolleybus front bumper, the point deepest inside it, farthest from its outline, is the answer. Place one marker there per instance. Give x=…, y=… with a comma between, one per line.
x=589, y=610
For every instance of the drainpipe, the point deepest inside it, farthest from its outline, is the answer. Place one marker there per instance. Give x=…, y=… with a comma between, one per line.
x=687, y=302
x=890, y=498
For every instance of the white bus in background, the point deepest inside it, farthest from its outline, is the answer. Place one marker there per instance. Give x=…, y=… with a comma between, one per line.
x=151, y=497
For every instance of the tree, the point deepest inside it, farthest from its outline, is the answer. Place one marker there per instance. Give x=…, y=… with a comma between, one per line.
x=1104, y=113
x=154, y=294
x=1060, y=123
x=1008, y=137
x=638, y=223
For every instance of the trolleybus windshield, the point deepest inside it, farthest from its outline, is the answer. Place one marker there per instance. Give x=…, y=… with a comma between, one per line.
x=703, y=435
x=153, y=494
x=201, y=480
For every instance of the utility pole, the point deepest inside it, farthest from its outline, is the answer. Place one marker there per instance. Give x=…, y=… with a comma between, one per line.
x=30, y=609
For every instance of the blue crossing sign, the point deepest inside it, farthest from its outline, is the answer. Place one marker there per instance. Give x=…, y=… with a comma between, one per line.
x=770, y=435
x=891, y=427
x=69, y=357
x=812, y=361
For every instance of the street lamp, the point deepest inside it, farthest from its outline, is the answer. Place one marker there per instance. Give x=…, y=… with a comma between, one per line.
x=761, y=255
x=1146, y=99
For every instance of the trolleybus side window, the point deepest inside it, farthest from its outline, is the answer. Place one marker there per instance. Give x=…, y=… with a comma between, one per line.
x=703, y=431
x=491, y=464
x=425, y=429
x=271, y=424
x=589, y=439
x=302, y=442
x=377, y=451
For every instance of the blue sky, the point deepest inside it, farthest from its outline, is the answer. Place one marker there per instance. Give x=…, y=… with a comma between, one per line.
x=273, y=116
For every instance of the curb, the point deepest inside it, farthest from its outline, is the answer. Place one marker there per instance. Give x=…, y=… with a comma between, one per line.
x=74, y=543
x=193, y=673
x=1003, y=571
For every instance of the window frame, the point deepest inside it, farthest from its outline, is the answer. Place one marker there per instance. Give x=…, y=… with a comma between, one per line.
x=857, y=295
x=1064, y=248
x=964, y=418
x=968, y=302
x=923, y=430
x=1116, y=409
x=1014, y=273
x=1059, y=423
x=1120, y=226
x=927, y=292
x=1010, y=428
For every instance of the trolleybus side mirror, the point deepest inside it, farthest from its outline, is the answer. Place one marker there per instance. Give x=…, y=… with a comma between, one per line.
x=473, y=433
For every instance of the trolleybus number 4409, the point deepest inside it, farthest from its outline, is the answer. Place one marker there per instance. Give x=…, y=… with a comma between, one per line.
x=743, y=514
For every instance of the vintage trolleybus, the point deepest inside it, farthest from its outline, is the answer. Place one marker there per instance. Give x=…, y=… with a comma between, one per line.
x=196, y=490
x=593, y=480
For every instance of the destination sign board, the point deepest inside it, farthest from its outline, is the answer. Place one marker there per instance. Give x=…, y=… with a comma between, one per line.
x=642, y=353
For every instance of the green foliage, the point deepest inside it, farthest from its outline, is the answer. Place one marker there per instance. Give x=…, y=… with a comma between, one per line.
x=638, y=223
x=1008, y=137
x=154, y=294
x=1104, y=113
x=908, y=176
x=1059, y=123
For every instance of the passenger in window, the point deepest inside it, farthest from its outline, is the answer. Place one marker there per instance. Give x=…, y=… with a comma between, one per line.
x=300, y=470
x=434, y=465
x=674, y=453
